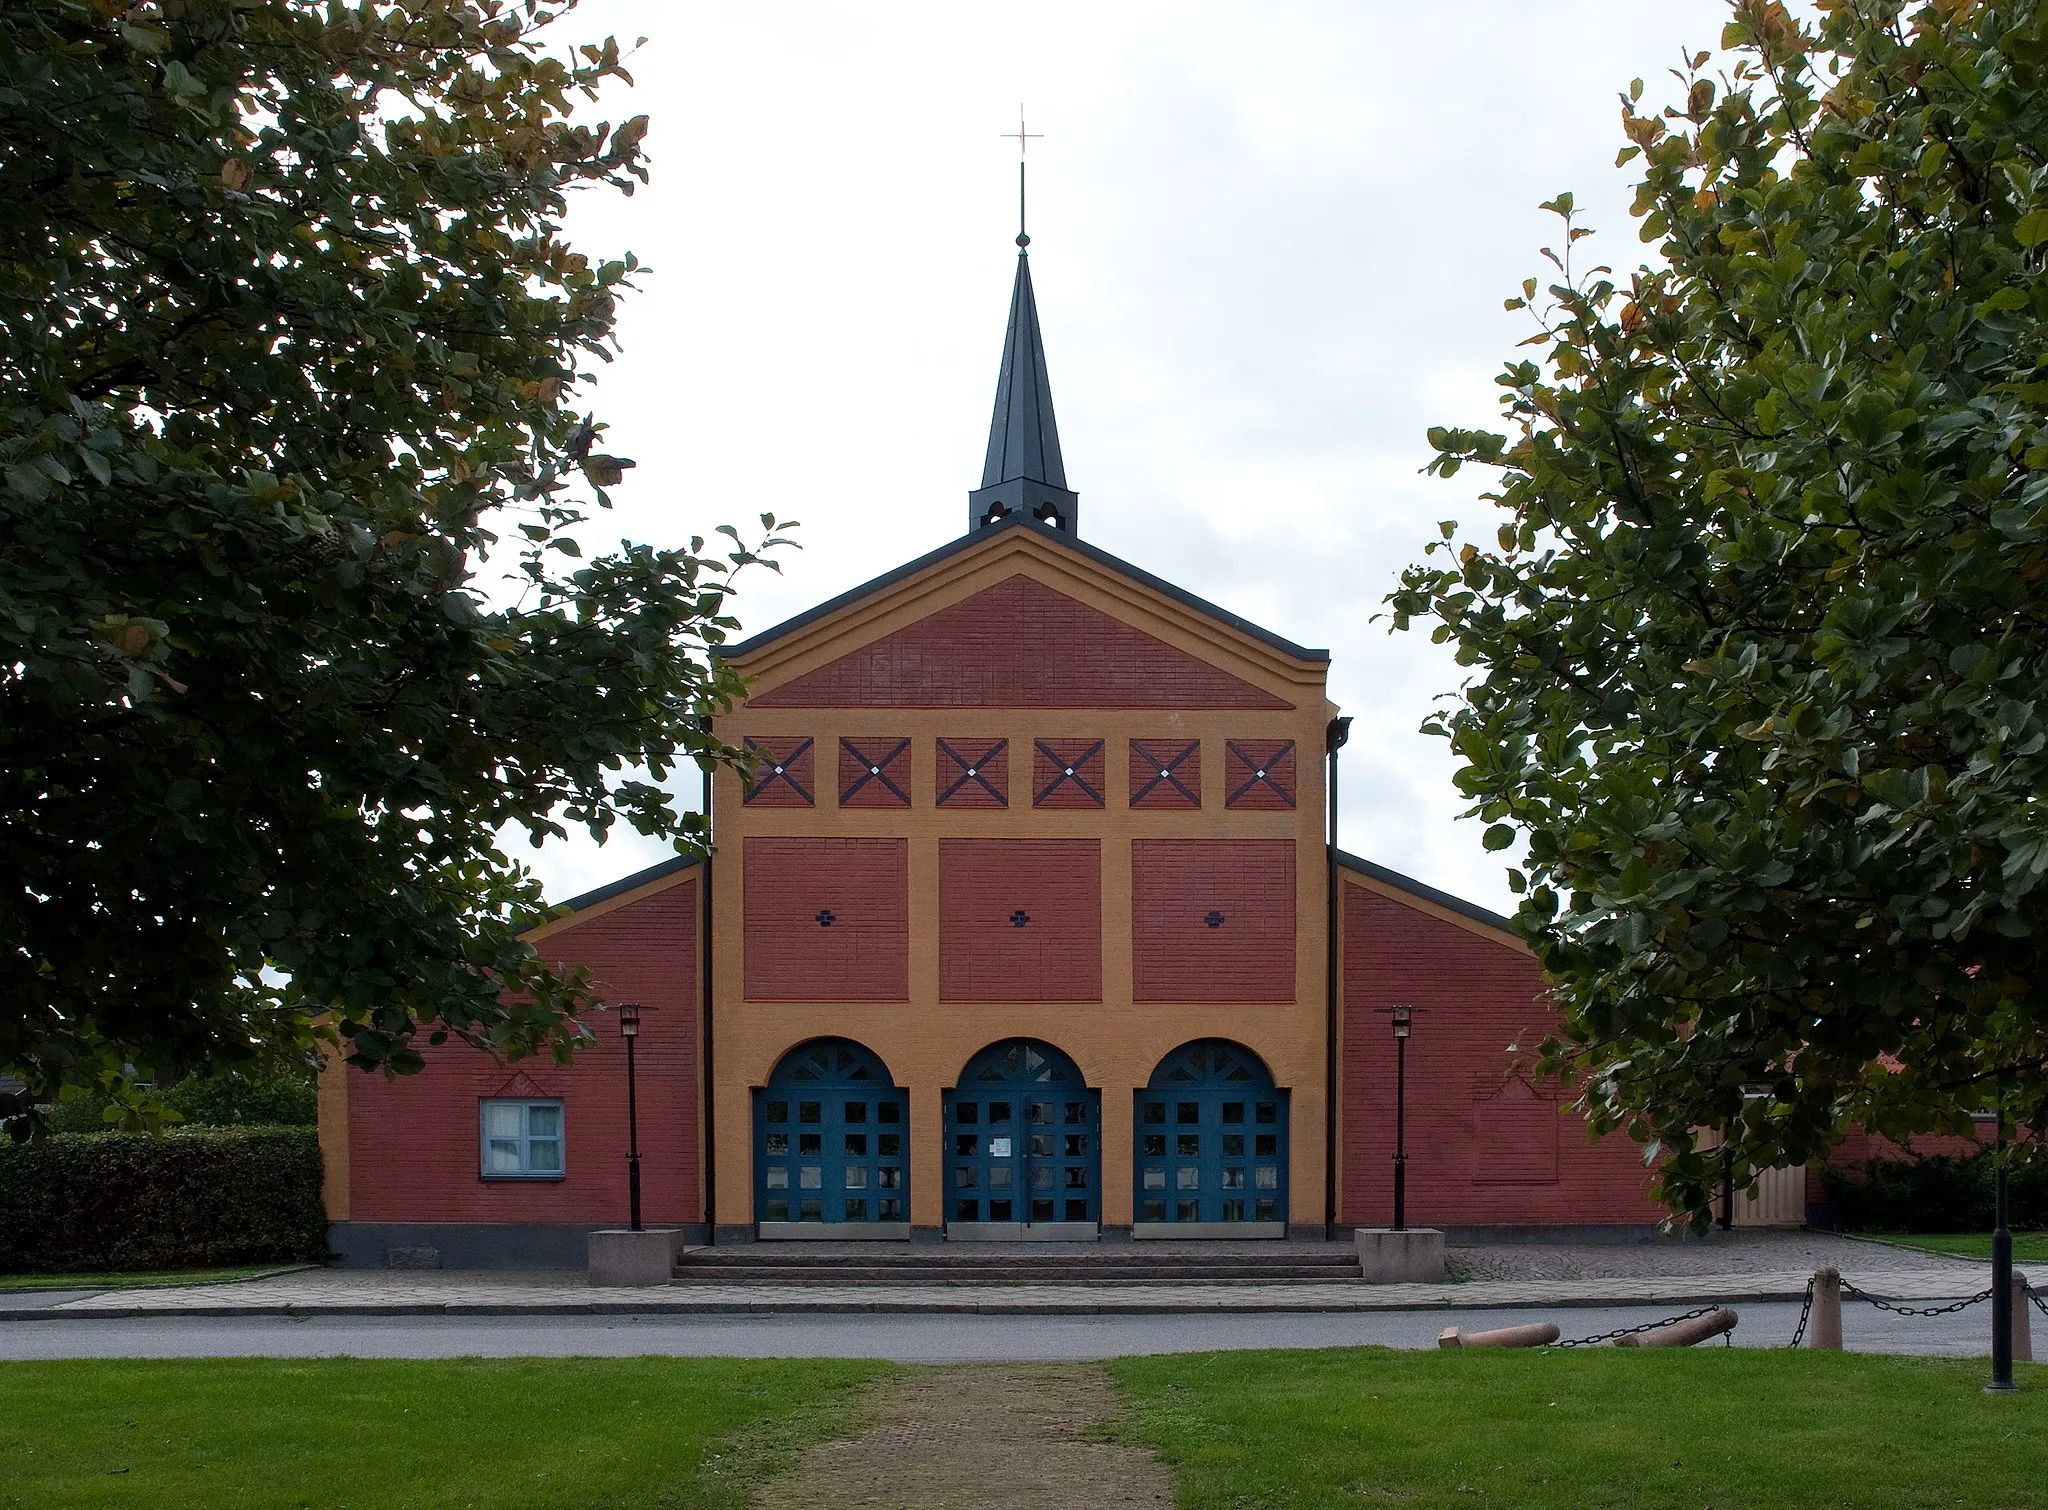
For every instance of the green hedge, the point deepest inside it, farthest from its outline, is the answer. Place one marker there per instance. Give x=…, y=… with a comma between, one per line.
x=197, y=1197
x=1939, y=1193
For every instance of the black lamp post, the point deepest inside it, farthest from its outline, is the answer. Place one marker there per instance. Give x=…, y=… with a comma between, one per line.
x=629, y=1029
x=1403, y=1026
x=2001, y=1272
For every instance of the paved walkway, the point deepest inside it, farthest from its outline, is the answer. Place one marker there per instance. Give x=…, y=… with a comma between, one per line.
x=347, y=1293
x=1760, y=1267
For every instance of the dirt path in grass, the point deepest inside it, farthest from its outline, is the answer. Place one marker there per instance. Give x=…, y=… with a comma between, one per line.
x=989, y=1437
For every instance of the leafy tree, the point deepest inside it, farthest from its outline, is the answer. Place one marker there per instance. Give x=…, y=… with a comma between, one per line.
x=289, y=332
x=1761, y=647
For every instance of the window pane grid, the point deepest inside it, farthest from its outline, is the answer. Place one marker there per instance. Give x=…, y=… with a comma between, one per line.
x=522, y=1140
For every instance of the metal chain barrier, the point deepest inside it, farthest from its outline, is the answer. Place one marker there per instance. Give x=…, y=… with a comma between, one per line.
x=1805, y=1315
x=2040, y=1300
x=1649, y=1326
x=1900, y=1308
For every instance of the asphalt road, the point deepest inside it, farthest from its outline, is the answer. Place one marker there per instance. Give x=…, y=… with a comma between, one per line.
x=905, y=1339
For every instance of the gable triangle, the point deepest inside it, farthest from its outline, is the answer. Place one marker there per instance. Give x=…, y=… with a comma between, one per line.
x=1018, y=644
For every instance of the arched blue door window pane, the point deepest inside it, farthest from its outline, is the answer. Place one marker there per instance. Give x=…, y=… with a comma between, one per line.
x=829, y=1138
x=1211, y=1139
x=1023, y=1139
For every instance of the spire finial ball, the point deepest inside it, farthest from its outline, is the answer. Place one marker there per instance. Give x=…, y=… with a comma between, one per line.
x=1022, y=239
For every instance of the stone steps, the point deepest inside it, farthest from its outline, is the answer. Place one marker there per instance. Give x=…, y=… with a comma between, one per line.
x=1014, y=1265
x=954, y=1275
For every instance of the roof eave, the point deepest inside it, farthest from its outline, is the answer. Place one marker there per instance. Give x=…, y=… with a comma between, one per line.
x=1082, y=548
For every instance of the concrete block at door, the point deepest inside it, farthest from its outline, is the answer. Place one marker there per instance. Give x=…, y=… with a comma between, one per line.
x=1414, y=1255
x=622, y=1257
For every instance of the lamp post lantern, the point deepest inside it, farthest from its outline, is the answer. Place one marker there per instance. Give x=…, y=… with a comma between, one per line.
x=1403, y=1025
x=629, y=1029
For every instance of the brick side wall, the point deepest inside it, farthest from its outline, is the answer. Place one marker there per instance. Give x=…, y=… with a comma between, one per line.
x=1246, y=954
x=1860, y=1147
x=1018, y=644
x=1054, y=886
x=413, y=1141
x=827, y=919
x=1480, y=1151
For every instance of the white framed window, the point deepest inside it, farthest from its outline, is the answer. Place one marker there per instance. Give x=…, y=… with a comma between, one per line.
x=522, y=1140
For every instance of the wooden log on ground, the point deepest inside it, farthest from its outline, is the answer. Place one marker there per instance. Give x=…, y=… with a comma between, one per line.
x=1684, y=1333
x=1534, y=1334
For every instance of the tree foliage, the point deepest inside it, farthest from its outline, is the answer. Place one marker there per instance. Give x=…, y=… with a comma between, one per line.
x=1761, y=646
x=289, y=334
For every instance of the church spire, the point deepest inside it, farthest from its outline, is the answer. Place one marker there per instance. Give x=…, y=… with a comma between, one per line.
x=1024, y=473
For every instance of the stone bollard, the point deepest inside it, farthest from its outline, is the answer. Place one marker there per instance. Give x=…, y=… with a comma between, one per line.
x=1824, y=1322
x=1684, y=1333
x=1412, y=1255
x=1535, y=1334
x=619, y=1256
x=2022, y=1320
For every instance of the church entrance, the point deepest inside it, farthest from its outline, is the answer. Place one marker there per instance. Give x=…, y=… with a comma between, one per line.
x=828, y=1146
x=1211, y=1155
x=1023, y=1147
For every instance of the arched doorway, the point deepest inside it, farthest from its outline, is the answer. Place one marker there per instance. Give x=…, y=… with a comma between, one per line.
x=1023, y=1146
x=829, y=1152
x=1211, y=1155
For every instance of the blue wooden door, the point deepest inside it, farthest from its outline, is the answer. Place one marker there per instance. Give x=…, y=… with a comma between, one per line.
x=1023, y=1139
x=829, y=1133
x=1211, y=1140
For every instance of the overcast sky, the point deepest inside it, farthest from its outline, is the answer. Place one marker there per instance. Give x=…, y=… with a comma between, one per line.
x=1270, y=244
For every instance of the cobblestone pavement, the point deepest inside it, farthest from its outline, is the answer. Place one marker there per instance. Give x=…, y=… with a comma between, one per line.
x=1752, y=1252
x=1749, y=1269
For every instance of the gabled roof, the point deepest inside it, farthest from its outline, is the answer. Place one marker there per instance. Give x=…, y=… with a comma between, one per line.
x=980, y=538
x=633, y=882
x=1425, y=893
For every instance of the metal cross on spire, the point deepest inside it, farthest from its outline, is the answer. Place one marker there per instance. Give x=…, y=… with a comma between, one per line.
x=1024, y=141
x=1024, y=138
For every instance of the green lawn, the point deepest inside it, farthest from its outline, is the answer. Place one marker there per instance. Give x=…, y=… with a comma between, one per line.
x=1724, y=1428
x=140, y=1281
x=270, y=1434
x=2028, y=1247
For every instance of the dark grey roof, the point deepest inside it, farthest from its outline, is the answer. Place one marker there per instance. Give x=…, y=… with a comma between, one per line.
x=1045, y=532
x=639, y=878
x=1023, y=439
x=1415, y=888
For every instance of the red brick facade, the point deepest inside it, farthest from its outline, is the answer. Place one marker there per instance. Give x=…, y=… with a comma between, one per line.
x=1259, y=775
x=874, y=771
x=1166, y=774
x=785, y=773
x=1019, y=644
x=1020, y=920
x=1068, y=772
x=414, y=1145
x=1212, y=920
x=971, y=771
x=1482, y=1150
x=1094, y=824
x=827, y=919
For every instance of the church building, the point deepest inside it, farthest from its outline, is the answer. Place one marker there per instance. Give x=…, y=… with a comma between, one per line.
x=1027, y=925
